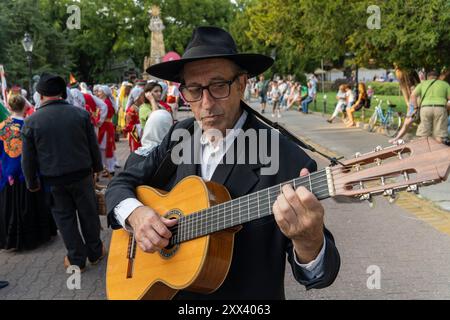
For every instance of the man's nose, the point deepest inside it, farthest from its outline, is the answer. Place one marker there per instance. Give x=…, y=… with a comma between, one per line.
x=207, y=99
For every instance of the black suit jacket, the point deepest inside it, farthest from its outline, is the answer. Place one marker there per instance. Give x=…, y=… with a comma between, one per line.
x=60, y=143
x=258, y=266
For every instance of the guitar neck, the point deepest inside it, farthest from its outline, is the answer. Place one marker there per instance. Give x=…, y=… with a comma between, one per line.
x=246, y=208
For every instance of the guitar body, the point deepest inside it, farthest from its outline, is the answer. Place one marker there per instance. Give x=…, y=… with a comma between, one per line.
x=198, y=265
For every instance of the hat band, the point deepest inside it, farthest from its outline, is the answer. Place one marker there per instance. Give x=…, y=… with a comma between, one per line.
x=201, y=51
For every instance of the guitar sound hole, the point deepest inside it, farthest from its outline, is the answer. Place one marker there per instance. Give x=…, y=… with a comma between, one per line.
x=171, y=249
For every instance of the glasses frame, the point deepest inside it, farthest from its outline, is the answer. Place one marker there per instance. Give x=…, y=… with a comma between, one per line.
x=228, y=82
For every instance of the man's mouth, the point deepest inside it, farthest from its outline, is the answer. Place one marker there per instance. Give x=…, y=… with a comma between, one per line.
x=211, y=117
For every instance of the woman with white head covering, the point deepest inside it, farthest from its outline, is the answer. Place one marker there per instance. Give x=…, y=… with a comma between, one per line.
x=156, y=128
x=106, y=133
x=78, y=98
x=134, y=95
x=133, y=126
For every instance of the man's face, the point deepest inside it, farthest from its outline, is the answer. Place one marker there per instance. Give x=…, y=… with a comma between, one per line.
x=220, y=114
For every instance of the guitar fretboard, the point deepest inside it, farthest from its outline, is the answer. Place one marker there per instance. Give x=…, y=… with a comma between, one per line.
x=243, y=209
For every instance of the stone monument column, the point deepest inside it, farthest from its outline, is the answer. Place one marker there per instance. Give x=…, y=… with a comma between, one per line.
x=157, y=49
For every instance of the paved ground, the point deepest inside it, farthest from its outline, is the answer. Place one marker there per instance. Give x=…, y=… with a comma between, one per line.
x=411, y=255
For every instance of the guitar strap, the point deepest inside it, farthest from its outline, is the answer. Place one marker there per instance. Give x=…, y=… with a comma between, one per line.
x=167, y=168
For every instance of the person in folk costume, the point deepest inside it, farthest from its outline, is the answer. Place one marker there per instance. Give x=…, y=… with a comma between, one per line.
x=139, y=84
x=78, y=99
x=25, y=217
x=173, y=97
x=106, y=133
x=122, y=100
x=133, y=126
x=95, y=106
x=4, y=113
x=153, y=102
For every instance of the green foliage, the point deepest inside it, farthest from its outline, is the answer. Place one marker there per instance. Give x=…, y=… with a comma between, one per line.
x=299, y=34
x=385, y=88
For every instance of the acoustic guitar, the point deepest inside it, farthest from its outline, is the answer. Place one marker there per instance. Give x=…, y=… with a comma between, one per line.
x=200, y=250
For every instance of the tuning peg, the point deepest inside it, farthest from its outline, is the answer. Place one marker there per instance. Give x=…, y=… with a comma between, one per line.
x=393, y=197
x=399, y=142
x=368, y=198
x=388, y=192
x=358, y=154
x=413, y=188
x=378, y=148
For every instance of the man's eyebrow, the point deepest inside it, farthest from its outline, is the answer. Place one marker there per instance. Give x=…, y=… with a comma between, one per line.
x=216, y=78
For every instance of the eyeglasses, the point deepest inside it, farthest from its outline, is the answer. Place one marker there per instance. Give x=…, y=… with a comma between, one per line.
x=218, y=90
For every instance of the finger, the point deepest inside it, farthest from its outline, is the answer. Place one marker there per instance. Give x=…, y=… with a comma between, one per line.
x=308, y=200
x=286, y=211
x=156, y=240
x=169, y=222
x=279, y=218
x=159, y=226
x=293, y=200
x=145, y=244
x=304, y=172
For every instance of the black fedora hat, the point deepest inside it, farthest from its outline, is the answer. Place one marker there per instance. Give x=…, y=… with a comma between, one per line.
x=209, y=43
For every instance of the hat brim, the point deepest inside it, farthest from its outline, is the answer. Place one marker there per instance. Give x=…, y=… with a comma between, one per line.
x=253, y=63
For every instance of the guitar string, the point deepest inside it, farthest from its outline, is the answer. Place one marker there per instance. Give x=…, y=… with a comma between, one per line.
x=272, y=189
x=216, y=214
x=208, y=223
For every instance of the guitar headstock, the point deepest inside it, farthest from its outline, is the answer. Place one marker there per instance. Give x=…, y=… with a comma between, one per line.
x=385, y=171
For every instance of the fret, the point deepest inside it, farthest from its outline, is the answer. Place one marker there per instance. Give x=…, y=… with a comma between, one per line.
x=197, y=225
x=239, y=209
x=310, y=184
x=248, y=208
x=224, y=215
x=268, y=196
x=257, y=201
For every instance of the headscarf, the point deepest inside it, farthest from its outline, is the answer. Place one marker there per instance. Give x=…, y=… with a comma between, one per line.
x=78, y=98
x=134, y=95
x=156, y=128
x=108, y=93
x=122, y=92
x=84, y=88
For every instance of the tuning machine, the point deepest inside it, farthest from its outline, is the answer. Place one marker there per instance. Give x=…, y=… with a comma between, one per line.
x=413, y=188
x=393, y=196
x=368, y=198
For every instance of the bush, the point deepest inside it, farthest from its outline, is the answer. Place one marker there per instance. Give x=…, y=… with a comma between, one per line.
x=385, y=88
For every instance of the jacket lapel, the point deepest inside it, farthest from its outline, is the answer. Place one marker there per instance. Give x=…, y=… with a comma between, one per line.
x=238, y=178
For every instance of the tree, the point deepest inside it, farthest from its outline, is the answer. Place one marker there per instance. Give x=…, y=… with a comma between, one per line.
x=50, y=51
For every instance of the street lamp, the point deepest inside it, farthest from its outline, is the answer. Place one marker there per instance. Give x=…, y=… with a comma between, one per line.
x=27, y=43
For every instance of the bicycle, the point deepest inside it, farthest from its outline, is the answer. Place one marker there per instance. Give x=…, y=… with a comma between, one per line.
x=391, y=120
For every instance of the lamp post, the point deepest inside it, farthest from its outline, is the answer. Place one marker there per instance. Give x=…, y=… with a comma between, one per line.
x=27, y=43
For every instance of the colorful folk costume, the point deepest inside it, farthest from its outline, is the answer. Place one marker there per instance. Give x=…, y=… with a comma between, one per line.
x=106, y=133
x=133, y=125
x=122, y=105
x=25, y=217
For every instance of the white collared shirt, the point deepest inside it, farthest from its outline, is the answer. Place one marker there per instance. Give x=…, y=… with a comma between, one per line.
x=212, y=153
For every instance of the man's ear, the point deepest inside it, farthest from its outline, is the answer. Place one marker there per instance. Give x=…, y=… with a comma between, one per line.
x=243, y=83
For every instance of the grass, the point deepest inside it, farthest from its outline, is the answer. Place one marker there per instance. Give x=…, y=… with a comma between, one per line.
x=331, y=103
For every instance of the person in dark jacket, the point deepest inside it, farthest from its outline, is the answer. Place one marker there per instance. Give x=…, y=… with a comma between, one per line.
x=60, y=146
x=213, y=77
